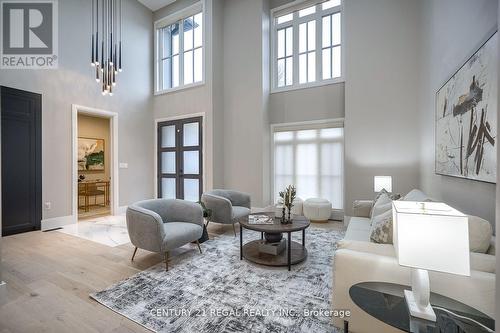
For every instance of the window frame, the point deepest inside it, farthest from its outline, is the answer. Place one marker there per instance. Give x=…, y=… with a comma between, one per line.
x=294, y=8
x=307, y=125
x=179, y=17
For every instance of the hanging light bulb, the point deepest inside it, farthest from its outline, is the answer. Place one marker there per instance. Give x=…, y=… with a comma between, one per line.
x=106, y=48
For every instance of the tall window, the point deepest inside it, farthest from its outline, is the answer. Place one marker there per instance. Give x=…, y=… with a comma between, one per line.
x=307, y=45
x=312, y=160
x=179, y=56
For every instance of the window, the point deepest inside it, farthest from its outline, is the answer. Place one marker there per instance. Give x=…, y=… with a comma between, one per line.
x=179, y=44
x=312, y=160
x=307, y=45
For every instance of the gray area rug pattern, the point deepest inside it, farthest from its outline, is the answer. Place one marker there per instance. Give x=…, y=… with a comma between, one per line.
x=217, y=292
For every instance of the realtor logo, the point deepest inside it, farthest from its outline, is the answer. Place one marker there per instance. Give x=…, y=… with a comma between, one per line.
x=29, y=34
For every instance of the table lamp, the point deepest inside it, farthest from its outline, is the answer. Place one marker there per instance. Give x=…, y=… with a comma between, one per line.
x=429, y=236
x=382, y=182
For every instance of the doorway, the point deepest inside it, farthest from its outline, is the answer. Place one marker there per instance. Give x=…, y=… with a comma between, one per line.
x=21, y=161
x=180, y=159
x=95, y=163
x=94, y=180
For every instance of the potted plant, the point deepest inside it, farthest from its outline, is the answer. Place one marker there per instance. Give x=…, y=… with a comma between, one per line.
x=288, y=196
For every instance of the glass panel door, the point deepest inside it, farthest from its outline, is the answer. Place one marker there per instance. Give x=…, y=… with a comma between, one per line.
x=180, y=159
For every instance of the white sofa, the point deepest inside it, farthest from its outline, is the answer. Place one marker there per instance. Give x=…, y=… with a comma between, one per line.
x=359, y=260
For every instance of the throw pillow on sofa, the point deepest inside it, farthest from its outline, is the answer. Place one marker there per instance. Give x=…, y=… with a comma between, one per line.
x=381, y=209
x=392, y=196
x=381, y=228
x=379, y=194
x=480, y=232
x=382, y=199
x=416, y=195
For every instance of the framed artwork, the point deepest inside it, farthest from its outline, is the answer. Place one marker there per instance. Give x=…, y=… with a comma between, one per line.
x=90, y=154
x=466, y=118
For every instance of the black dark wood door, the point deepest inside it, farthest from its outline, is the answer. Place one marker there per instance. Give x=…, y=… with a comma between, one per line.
x=21, y=161
x=180, y=159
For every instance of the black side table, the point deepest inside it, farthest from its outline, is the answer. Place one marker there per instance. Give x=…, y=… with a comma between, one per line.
x=386, y=302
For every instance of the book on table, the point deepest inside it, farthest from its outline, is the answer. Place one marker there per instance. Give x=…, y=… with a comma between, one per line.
x=260, y=219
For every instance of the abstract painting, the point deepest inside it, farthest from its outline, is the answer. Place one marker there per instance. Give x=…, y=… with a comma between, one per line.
x=466, y=118
x=90, y=154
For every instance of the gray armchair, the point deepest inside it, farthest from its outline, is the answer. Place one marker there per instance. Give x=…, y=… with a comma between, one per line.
x=227, y=206
x=160, y=225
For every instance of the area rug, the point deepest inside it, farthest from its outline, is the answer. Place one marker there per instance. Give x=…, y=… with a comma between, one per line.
x=217, y=292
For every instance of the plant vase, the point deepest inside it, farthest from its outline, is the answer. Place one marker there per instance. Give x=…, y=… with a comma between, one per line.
x=289, y=220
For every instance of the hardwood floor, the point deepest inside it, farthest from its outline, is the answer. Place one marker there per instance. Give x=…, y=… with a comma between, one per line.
x=50, y=275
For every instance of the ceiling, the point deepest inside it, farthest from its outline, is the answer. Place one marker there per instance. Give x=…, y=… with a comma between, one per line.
x=155, y=4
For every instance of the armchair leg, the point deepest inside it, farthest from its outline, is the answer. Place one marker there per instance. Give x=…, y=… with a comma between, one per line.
x=199, y=247
x=133, y=255
x=234, y=230
x=166, y=261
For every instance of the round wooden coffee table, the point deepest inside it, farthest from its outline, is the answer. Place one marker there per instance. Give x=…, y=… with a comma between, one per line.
x=294, y=253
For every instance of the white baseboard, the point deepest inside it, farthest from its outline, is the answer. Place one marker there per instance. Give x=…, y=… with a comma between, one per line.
x=61, y=221
x=121, y=210
x=57, y=222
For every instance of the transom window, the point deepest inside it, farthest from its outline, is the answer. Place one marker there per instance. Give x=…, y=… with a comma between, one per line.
x=307, y=45
x=179, y=57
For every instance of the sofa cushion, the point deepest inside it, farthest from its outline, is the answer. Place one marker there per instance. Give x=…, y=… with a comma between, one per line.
x=239, y=212
x=382, y=199
x=416, y=195
x=393, y=196
x=381, y=209
x=480, y=232
x=381, y=228
x=362, y=208
x=492, y=248
x=367, y=247
x=358, y=229
x=482, y=262
x=180, y=233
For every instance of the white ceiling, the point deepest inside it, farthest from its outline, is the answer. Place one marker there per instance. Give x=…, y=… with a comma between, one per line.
x=155, y=4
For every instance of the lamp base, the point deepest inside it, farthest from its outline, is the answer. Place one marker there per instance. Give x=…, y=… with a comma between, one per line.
x=419, y=311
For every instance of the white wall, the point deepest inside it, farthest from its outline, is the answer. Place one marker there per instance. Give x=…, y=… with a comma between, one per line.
x=317, y=103
x=381, y=123
x=199, y=99
x=246, y=126
x=73, y=83
x=233, y=98
x=452, y=30
x=218, y=92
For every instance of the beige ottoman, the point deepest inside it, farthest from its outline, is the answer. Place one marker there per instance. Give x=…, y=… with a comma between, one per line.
x=297, y=207
x=317, y=210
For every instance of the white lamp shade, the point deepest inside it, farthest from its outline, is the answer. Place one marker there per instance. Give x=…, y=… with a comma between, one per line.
x=382, y=182
x=431, y=236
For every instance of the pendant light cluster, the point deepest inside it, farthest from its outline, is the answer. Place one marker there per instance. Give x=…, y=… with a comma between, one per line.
x=106, y=42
